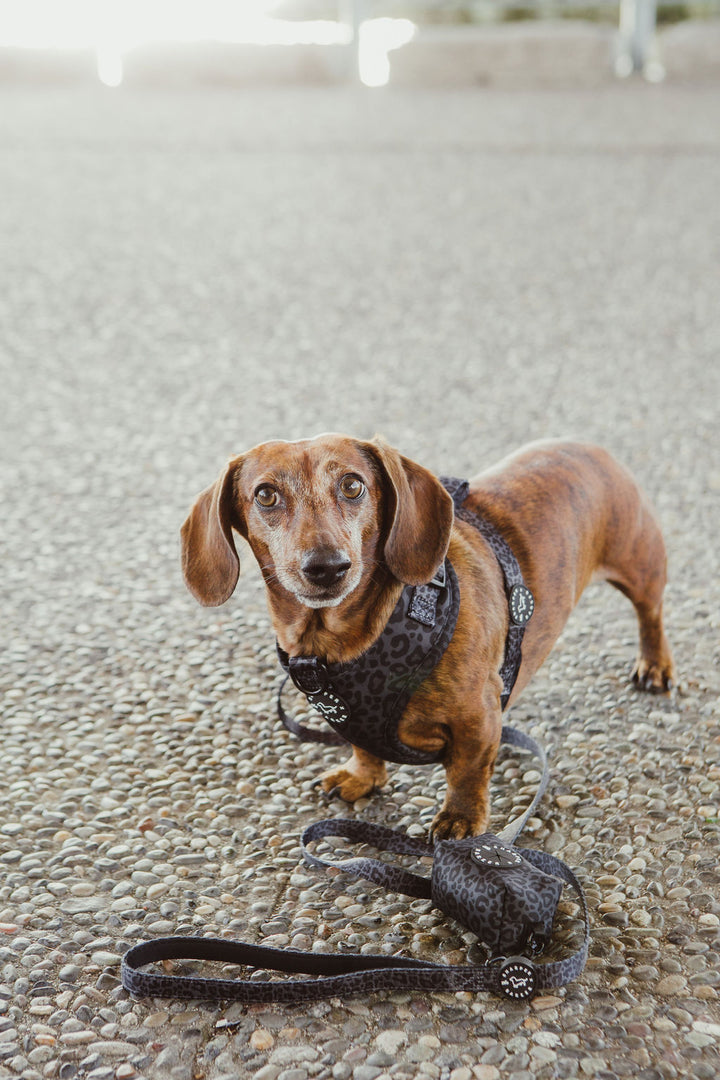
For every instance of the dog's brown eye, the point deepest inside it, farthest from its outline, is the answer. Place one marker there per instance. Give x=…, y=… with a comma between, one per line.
x=352, y=487
x=266, y=496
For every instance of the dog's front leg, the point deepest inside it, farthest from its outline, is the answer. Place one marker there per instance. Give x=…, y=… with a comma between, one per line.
x=357, y=777
x=469, y=764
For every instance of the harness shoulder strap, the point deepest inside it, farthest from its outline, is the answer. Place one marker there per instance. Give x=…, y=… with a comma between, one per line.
x=521, y=603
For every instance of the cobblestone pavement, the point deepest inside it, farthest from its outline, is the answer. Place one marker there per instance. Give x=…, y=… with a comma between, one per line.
x=185, y=275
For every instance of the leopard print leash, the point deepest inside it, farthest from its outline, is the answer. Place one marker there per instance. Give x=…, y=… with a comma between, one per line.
x=515, y=977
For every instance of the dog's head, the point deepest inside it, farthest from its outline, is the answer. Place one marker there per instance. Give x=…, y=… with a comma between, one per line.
x=320, y=515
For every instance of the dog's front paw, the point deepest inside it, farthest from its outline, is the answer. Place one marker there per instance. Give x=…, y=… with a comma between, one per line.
x=452, y=825
x=350, y=784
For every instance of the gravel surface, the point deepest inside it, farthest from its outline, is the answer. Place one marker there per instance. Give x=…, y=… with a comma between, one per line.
x=186, y=275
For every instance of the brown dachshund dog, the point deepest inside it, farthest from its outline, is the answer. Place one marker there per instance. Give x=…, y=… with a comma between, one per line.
x=339, y=526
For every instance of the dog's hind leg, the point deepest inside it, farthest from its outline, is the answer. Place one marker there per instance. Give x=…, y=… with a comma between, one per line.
x=639, y=571
x=654, y=669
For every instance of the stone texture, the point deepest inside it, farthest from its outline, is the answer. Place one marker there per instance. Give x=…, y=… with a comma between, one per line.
x=187, y=274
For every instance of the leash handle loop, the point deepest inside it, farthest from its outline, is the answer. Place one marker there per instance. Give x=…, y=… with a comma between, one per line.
x=333, y=975
x=521, y=603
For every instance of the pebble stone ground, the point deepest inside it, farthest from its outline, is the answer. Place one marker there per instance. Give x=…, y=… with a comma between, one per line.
x=185, y=274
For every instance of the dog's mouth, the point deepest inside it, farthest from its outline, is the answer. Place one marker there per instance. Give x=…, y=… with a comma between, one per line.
x=320, y=601
x=314, y=596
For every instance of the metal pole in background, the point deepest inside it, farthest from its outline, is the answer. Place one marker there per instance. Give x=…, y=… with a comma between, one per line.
x=637, y=46
x=353, y=13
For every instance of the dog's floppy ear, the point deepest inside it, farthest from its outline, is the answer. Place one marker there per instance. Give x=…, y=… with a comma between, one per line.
x=419, y=516
x=209, y=558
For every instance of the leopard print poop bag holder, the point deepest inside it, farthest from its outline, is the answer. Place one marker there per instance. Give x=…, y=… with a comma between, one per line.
x=505, y=895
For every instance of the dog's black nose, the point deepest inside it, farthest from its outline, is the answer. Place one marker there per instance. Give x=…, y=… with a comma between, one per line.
x=325, y=567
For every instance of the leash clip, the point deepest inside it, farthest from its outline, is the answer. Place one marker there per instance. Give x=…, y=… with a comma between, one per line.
x=312, y=678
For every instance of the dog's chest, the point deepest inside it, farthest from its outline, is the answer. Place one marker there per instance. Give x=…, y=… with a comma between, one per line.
x=363, y=700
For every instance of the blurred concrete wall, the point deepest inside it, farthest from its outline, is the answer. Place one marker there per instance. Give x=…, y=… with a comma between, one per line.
x=542, y=53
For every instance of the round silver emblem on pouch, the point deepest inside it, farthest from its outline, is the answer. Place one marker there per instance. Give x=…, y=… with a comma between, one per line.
x=495, y=855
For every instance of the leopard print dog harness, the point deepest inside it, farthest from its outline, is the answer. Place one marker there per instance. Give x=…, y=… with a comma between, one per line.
x=363, y=699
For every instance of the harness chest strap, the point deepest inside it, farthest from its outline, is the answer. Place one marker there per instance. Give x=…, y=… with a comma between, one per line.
x=363, y=700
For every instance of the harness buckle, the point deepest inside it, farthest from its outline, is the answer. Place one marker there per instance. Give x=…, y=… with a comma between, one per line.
x=424, y=600
x=440, y=577
x=308, y=673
